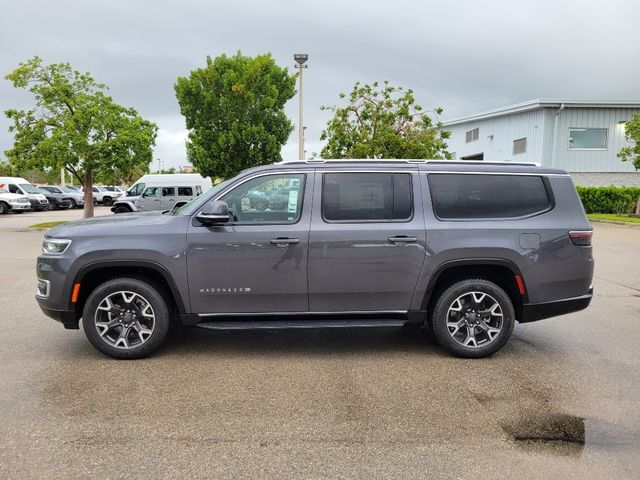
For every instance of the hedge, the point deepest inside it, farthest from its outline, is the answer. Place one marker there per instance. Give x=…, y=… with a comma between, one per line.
x=620, y=200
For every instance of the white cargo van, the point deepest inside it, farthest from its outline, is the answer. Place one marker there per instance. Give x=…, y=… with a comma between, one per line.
x=161, y=192
x=20, y=186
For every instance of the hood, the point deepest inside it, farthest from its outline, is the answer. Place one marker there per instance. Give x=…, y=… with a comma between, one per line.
x=115, y=225
x=13, y=196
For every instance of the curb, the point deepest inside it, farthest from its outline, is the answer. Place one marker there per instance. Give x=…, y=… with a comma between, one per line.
x=615, y=222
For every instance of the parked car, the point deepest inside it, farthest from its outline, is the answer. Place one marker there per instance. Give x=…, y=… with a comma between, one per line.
x=168, y=179
x=12, y=202
x=115, y=188
x=103, y=195
x=161, y=192
x=462, y=249
x=57, y=200
x=76, y=197
x=20, y=186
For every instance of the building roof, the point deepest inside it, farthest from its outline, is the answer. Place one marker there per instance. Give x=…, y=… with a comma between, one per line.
x=543, y=103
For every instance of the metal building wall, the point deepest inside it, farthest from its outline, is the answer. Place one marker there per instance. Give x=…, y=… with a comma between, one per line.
x=592, y=160
x=497, y=134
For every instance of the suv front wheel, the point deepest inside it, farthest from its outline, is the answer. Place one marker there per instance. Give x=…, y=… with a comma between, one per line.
x=126, y=318
x=473, y=318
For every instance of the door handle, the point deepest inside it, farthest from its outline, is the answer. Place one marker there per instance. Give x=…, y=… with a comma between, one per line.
x=283, y=242
x=403, y=239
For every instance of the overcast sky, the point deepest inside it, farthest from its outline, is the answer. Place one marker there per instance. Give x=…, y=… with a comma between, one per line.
x=464, y=55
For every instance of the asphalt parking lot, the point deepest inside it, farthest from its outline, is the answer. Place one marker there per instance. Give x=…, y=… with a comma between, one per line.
x=562, y=400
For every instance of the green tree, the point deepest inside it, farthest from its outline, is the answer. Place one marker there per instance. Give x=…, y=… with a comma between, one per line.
x=383, y=121
x=234, y=110
x=632, y=152
x=75, y=126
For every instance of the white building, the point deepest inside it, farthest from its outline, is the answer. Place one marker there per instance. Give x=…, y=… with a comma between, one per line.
x=582, y=138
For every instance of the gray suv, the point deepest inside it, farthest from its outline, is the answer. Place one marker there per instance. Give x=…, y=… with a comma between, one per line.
x=463, y=249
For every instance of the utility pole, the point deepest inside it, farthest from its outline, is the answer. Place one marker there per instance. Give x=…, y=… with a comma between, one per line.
x=300, y=59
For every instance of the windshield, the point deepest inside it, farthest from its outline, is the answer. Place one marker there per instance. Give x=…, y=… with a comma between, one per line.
x=27, y=187
x=68, y=190
x=201, y=199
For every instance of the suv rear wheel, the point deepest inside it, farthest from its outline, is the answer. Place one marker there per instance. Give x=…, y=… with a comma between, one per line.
x=473, y=318
x=126, y=318
x=107, y=201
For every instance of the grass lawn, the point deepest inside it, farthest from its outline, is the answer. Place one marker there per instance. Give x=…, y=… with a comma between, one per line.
x=47, y=224
x=614, y=217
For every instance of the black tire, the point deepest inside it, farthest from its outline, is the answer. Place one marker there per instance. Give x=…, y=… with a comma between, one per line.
x=107, y=201
x=130, y=350
x=73, y=203
x=458, y=302
x=122, y=209
x=3, y=208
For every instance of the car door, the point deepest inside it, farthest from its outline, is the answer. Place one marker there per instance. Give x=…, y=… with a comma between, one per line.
x=150, y=199
x=257, y=263
x=168, y=199
x=366, y=242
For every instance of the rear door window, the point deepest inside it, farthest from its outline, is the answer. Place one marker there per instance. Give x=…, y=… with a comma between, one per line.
x=185, y=191
x=367, y=197
x=168, y=192
x=473, y=196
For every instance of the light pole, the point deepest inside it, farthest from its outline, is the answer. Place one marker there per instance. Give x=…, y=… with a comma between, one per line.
x=300, y=59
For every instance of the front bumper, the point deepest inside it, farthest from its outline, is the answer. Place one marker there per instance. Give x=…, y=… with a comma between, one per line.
x=532, y=312
x=19, y=206
x=66, y=317
x=38, y=205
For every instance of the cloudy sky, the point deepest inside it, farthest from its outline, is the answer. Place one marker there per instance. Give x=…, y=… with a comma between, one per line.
x=464, y=55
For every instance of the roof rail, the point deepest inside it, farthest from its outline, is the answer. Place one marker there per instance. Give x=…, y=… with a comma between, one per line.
x=417, y=160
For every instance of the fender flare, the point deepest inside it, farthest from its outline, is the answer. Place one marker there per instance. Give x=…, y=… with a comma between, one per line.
x=160, y=269
x=500, y=262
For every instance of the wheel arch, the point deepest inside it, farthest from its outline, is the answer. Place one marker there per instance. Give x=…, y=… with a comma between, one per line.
x=502, y=272
x=92, y=275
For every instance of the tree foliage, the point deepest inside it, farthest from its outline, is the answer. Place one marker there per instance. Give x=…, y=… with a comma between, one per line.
x=632, y=134
x=234, y=110
x=383, y=121
x=632, y=152
x=75, y=125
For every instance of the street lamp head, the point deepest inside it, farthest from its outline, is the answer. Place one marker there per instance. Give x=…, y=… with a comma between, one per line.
x=300, y=58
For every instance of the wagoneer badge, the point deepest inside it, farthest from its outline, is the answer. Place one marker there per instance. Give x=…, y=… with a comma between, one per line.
x=225, y=290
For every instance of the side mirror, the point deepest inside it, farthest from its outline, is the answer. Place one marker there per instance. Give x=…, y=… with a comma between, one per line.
x=214, y=213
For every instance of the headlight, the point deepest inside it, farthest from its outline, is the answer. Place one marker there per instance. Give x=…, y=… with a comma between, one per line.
x=55, y=246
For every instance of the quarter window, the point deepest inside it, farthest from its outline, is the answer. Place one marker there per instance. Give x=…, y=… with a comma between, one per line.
x=464, y=196
x=185, y=192
x=366, y=197
x=588, y=138
x=269, y=199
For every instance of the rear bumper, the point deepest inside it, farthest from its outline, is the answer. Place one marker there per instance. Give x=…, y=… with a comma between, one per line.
x=66, y=317
x=532, y=312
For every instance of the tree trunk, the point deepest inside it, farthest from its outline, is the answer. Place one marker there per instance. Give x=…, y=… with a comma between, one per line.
x=638, y=206
x=88, y=194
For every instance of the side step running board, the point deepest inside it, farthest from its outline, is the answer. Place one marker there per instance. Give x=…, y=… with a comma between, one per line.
x=296, y=324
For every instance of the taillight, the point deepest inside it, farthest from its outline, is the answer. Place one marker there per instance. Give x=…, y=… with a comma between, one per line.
x=581, y=238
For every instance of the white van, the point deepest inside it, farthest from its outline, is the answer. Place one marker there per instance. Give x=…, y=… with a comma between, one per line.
x=161, y=192
x=20, y=186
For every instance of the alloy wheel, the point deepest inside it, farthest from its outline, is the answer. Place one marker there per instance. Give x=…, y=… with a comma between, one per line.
x=474, y=319
x=125, y=319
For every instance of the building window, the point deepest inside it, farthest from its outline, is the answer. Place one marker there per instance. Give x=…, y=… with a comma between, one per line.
x=519, y=146
x=472, y=135
x=588, y=138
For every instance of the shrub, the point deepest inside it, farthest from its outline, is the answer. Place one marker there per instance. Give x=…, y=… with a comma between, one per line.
x=620, y=200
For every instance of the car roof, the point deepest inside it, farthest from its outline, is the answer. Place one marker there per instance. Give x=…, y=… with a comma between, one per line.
x=435, y=166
